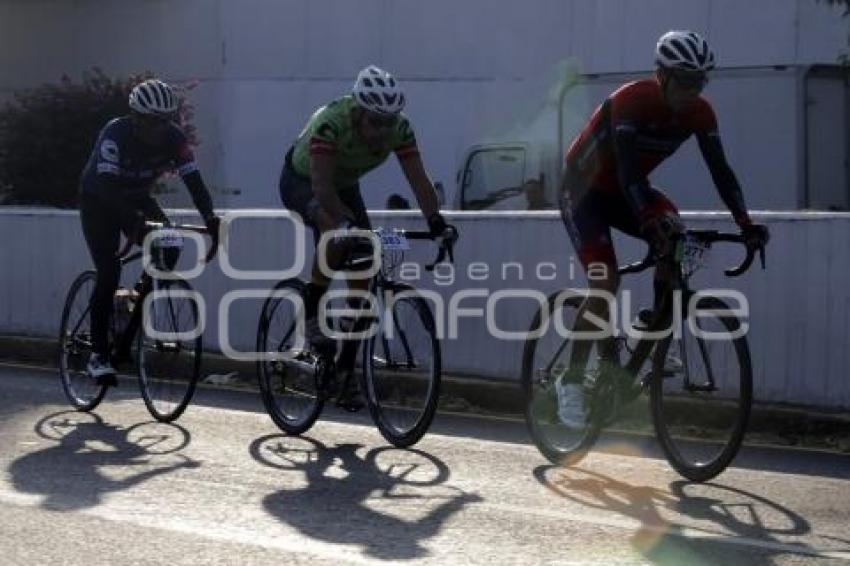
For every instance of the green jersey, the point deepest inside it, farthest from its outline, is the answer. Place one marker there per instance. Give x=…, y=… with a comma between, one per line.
x=331, y=131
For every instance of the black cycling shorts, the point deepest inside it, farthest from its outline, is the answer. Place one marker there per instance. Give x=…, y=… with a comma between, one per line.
x=296, y=193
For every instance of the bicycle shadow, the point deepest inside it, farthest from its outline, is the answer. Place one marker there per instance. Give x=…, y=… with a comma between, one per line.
x=716, y=520
x=91, y=458
x=363, y=499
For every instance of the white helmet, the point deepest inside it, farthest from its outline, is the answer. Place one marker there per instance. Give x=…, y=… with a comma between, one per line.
x=153, y=97
x=377, y=91
x=684, y=50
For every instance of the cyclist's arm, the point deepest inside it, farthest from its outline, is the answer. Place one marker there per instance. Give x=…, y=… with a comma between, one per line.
x=322, y=167
x=421, y=185
x=723, y=176
x=635, y=187
x=200, y=195
x=188, y=170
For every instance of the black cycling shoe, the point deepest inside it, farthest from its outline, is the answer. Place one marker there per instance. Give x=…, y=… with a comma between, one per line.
x=107, y=380
x=350, y=398
x=122, y=358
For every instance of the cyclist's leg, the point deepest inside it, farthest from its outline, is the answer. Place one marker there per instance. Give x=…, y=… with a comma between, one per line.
x=102, y=233
x=353, y=200
x=296, y=193
x=137, y=209
x=625, y=221
x=588, y=226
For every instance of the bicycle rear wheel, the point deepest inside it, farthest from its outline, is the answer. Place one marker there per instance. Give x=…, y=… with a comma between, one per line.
x=545, y=359
x=75, y=346
x=287, y=371
x=701, y=392
x=169, y=362
x=402, y=369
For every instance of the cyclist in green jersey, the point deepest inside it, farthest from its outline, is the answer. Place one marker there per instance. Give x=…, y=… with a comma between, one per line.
x=341, y=142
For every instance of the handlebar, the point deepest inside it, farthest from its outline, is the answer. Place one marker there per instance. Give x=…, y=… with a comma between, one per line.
x=144, y=228
x=708, y=237
x=446, y=245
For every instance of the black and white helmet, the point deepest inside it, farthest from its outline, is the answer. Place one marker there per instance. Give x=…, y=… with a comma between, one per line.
x=377, y=91
x=153, y=97
x=684, y=50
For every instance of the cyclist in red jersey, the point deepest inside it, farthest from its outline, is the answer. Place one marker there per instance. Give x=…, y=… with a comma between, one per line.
x=605, y=181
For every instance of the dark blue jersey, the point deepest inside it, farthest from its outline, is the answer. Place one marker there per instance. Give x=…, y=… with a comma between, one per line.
x=120, y=161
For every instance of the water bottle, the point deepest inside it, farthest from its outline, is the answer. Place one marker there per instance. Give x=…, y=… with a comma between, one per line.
x=122, y=309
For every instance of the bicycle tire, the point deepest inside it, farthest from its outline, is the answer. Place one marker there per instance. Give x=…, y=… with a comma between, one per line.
x=536, y=390
x=167, y=399
x=384, y=407
x=70, y=354
x=703, y=471
x=267, y=372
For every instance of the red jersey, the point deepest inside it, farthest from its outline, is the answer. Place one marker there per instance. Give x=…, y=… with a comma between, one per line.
x=640, y=107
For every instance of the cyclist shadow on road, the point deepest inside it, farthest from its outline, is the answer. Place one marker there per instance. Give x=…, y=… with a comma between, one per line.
x=689, y=522
x=387, y=501
x=93, y=458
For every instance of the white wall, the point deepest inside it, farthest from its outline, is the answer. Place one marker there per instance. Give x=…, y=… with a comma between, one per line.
x=470, y=66
x=799, y=306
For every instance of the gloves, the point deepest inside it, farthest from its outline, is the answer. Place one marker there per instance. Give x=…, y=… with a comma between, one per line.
x=438, y=227
x=756, y=235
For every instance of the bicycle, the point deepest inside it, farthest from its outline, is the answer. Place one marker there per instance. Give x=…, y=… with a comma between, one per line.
x=400, y=361
x=700, y=401
x=168, y=365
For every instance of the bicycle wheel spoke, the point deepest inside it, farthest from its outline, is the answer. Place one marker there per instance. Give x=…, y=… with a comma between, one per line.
x=402, y=372
x=169, y=366
x=701, y=405
x=75, y=343
x=288, y=375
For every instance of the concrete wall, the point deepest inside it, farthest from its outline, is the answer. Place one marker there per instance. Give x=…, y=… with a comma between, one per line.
x=800, y=306
x=264, y=65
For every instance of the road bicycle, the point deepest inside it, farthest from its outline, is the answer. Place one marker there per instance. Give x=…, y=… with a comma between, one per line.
x=699, y=377
x=168, y=362
x=399, y=358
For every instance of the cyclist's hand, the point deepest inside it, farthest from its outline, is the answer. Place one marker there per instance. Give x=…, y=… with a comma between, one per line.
x=756, y=235
x=439, y=229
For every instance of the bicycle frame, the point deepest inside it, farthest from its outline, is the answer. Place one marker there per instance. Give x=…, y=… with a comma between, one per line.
x=663, y=319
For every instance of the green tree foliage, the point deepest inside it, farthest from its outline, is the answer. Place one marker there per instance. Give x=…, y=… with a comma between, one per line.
x=46, y=135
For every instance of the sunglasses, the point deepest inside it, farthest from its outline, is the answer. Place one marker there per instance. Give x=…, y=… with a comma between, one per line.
x=153, y=121
x=690, y=81
x=381, y=122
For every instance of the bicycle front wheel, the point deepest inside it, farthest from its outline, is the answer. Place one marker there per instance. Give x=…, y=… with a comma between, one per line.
x=169, y=360
x=75, y=346
x=545, y=361
x=701, y=391
x=287, y=370
x=402, y=369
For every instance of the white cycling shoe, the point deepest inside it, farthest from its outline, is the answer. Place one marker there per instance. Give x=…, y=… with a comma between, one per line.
x=99, y=368
x=571, y=410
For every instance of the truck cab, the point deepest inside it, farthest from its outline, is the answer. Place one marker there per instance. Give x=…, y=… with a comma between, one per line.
x=508, y=175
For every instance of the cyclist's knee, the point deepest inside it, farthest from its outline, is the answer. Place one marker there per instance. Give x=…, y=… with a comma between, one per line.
x=603, y=278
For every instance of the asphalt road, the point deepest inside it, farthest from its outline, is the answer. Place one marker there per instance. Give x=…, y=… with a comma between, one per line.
x=225, y=487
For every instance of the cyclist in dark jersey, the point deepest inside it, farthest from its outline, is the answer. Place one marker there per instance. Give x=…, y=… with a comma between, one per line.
x=130, y=154
x=605, y=180
x=341, y=142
